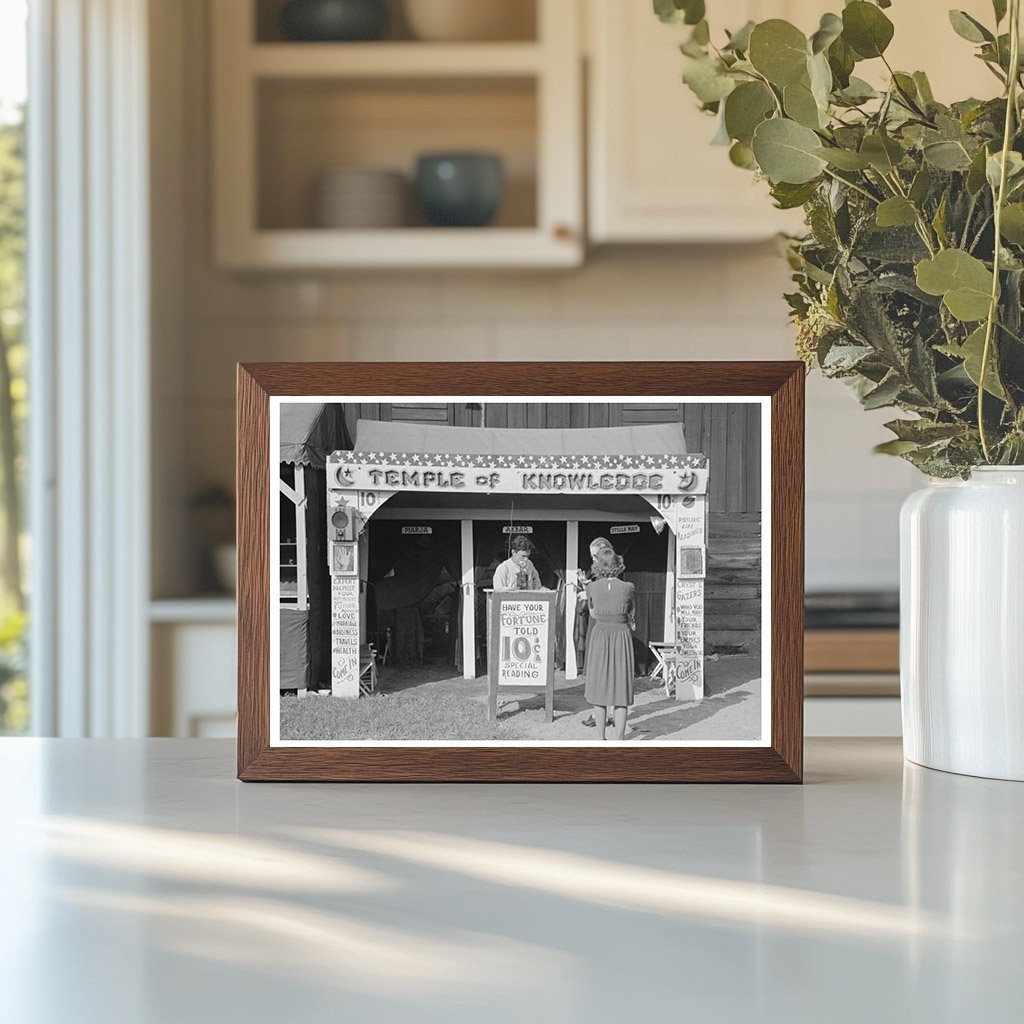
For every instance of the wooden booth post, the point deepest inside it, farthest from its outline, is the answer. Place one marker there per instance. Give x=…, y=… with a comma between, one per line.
x=347, y=516
x=686, y=667
x=521, y=647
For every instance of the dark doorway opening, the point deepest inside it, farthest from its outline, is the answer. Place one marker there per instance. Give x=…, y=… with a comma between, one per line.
x=645, y=552
x=414, y=601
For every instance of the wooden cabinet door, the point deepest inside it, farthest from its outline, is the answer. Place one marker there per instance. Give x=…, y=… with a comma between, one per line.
x=653, y=174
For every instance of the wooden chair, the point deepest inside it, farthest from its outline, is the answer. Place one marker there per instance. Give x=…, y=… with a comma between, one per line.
x=661, y=652
x=367, y=669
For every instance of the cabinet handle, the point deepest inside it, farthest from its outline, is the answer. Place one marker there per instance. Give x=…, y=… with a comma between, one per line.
x=563, y=232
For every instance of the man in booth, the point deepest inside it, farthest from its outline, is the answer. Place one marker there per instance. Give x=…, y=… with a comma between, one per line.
x=518, y=572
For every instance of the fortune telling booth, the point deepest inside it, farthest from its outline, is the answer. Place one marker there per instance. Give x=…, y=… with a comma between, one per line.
x=418, y=515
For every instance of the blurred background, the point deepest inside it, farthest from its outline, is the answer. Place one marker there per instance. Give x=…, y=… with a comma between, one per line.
x=250, y=180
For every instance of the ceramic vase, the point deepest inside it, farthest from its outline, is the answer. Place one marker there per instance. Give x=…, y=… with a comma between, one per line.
x=470, y=20
x=962, y=624
x=334, y=20
x=460, y=189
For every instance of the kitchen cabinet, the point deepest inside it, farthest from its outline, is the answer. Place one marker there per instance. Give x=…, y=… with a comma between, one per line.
x=653, y=175
x=286, y=113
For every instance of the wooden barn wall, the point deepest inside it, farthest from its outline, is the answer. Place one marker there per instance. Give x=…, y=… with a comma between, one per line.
x=728, y=434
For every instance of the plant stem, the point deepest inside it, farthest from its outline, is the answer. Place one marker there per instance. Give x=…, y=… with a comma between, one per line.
x=922, y=225
x=993, y=309
x=854, y=186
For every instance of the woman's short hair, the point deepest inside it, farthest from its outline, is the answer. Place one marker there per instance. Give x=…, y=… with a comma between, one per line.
x=598, y=544
x=521, y=543
x=607, y=563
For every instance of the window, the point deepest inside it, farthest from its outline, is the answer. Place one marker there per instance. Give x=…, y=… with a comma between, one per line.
x=14, y=694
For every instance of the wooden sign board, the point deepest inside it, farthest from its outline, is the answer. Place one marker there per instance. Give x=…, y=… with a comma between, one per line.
x=521, y=646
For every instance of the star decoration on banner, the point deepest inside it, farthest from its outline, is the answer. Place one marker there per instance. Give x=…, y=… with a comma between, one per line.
x=609, y=463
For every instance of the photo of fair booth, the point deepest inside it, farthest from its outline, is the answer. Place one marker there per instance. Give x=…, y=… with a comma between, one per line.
x=419, y=515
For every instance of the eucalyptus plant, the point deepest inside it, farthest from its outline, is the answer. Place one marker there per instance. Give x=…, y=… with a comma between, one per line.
x=910, y=278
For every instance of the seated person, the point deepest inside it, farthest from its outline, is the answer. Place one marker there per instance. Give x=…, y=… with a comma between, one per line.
x=518, y=572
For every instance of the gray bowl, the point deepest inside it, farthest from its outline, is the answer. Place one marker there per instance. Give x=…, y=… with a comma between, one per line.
x=461, y=190
x=334, y=20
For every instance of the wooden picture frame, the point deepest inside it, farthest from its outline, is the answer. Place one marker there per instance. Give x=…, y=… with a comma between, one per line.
x=779, y=759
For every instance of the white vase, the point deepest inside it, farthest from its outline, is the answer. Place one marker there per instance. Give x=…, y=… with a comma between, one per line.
x=962, y=624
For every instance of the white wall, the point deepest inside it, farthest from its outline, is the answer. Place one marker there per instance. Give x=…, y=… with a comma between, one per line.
x=656, y=303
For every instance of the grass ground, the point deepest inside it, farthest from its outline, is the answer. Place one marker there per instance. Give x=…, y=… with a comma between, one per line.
x=429, y=704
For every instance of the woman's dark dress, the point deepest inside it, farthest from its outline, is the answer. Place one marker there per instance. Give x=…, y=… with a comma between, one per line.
x=608, y=662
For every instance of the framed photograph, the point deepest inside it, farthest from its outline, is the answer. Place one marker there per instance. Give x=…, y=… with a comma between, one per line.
x=562, y=572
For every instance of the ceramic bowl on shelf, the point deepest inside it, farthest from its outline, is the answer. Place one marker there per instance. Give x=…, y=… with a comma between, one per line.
x=470, y=20
x=361, y=198
x=460, y=189
x=331, y=21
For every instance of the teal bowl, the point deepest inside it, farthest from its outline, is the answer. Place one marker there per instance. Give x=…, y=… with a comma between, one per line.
x=460, y=190
x=334, y=21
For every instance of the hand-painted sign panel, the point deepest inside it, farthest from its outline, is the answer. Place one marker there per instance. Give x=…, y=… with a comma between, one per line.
x=519, y=474
x=522, y=647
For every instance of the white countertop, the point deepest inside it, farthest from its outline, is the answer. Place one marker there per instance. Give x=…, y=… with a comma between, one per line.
x=141, y=884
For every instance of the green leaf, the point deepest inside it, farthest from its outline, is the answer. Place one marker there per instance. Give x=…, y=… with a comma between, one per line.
x=739, y=41
x=708, y=80
x=701, y=33
x=885, y=394
x=921, y=185
x=906, y=90
x=896, y=212
x=963, y=281
x=789, y=197
x=866, y=29
x=883, y=153
x=778, y=50
x=939, y=220
x=829, y=30
x=844, y=159
x=676, y=12
x=1014, y=169
x=841, y=60
x=858, y=91
x=923, y=431
x=924, y=87
x=968, y=28
x=946, y=156
x=820, y=77
x=976, y=174
x=895, y=447
x=721, y=136
x=785, y=152
x=999, y=7
x=1012, y=224
x=971, y=352
x=745, y=108
x=800, y=105
x=741, y=155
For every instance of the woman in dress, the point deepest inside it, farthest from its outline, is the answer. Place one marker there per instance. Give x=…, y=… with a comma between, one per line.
x=608, y=663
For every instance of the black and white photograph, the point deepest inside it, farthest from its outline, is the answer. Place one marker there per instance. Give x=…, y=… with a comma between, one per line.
x=482, y=571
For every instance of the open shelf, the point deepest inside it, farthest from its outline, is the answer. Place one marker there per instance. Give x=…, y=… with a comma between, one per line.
x=308, y=127
x=286, y=114
x=393, y=60
x=518, y=22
